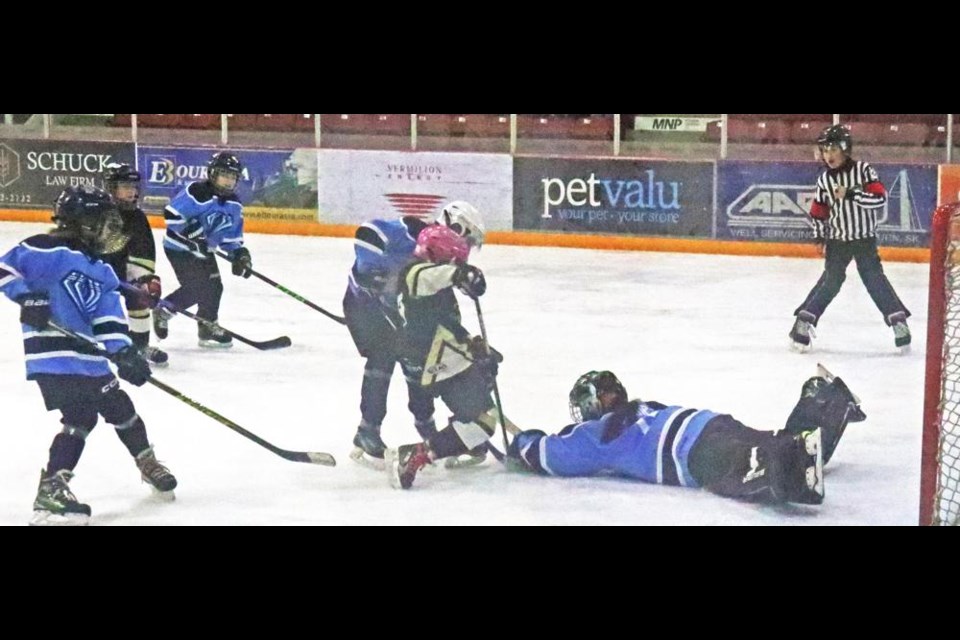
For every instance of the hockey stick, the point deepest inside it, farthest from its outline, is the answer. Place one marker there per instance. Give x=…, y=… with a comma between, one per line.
x=496, y=388
x=293, y=295
x=277, y=343
x=312, y=457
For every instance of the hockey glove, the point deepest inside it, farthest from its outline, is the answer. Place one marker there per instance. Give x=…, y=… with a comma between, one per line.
x=486, y=358
x=150, y=289
x=131, y=366
x=34, y=309
x=242, y=262
x=470, y=280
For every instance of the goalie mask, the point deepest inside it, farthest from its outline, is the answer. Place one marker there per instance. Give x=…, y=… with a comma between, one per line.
x=594, y=394
x=93, y=218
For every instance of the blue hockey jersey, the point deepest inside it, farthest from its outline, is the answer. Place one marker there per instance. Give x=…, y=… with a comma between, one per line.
x=199, y=221
x=653, y=446
x=382, y=249
x=83, y=298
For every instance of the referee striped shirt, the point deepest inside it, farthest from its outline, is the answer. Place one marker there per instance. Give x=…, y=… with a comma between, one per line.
x=855, y=216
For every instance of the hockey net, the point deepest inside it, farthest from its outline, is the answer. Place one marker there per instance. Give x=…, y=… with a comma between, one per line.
x=940, y=462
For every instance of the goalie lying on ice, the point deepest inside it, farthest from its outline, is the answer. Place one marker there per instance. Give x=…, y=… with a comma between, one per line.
x=676, y=445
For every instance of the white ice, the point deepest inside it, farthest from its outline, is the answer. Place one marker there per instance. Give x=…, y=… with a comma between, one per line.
x=703, y=331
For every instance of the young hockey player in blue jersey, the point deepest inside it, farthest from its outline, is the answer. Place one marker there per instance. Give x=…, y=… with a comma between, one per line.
x=58, y=277
x=136, y=262
x=679, y=446
x=437, y=350
x=205, y=216
x=383, y=248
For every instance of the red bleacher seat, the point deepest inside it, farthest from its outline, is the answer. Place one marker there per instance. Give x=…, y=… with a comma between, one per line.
x=120, y=120
x=275, y=122
x=200, y=120
x=865, y=132
x=488, y=125
x=242, y=121
x=806, y=131
x=160, y=120
x=905, y=133
x=366, y=123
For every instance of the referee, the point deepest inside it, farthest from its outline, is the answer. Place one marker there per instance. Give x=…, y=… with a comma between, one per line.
x=844, y=214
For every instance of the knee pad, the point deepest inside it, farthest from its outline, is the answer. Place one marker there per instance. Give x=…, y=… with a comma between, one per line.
x=116, y=407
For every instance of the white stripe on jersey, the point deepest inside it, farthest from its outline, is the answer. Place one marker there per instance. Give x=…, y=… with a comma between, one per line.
x=663, y=437
x=676, y=445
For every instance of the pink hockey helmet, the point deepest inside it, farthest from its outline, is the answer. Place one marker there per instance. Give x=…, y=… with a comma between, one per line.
x=439, y=243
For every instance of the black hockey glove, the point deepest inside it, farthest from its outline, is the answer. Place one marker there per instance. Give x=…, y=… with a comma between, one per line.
x=485, y=357
x=34, y=309
x=242, y=262
x=470, y=280
x=131, y=366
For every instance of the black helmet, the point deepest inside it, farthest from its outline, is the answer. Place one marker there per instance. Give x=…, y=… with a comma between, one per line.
x=121, y=173
x=93, y=217
x=223, y=163
x=585, y=401
x=836, y=134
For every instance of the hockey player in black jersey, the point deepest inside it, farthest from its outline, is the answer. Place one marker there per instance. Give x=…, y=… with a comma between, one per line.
x=137, y=262
x=437, y=351
x=844, y=215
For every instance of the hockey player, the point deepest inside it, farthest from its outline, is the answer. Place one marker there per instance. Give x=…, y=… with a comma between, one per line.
x=437, y=350
x=844, y=214
x=383, y=248
x=57, y=276
x=205, y=216
x=136, y=263
x=675, y=445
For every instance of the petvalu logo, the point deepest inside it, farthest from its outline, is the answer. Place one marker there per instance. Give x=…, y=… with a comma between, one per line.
x=578, y=197
x=164, y=171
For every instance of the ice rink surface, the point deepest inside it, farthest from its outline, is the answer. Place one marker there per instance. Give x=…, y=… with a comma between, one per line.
x=703, y=331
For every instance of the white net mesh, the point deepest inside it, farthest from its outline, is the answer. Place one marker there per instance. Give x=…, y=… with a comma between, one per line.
x=947, y=500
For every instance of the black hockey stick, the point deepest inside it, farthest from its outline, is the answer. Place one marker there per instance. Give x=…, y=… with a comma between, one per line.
x=277, y=343
x=312, y=457
x=496, y=388
x=293, y=295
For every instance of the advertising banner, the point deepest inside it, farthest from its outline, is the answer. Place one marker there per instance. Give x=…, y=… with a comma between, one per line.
x=275, y=185
x=949, y=184
x=356, y=185
x=769, y=202
x=630, y=196
x=34, y=172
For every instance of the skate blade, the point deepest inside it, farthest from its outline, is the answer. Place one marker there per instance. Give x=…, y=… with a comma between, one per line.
x=904, y=350
x=392, y=467
x=362, y=458
x=213, y=344
x=464, y=461
x=799, y=348
x=49, y=519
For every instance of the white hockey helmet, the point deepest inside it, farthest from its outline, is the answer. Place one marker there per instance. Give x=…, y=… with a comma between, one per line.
x=464, y=218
